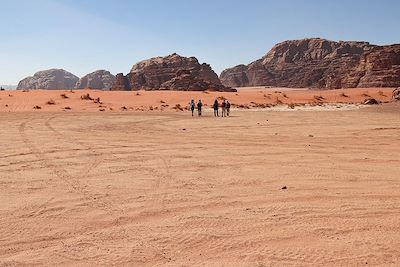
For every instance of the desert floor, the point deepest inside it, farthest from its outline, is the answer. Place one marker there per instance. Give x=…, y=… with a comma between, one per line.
x=166, y=189
x=129, y=101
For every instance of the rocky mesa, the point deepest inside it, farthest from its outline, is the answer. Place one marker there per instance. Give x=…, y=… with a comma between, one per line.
x=49, y=79
x=320, y=63
x=172, y=72
x=100, y=79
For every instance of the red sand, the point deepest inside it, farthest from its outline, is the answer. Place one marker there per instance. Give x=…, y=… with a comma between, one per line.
x=135, y=189
x=146, y=100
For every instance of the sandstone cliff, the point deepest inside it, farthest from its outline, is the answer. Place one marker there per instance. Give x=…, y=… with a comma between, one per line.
x=100, y=79
x=49, y=79
x=320, y=63
x=172, y=72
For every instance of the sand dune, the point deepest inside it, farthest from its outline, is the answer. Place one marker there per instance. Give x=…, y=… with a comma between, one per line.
x=166, y=100
x=136, y=189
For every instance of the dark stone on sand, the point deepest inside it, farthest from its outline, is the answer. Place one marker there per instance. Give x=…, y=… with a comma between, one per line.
x=370, y=101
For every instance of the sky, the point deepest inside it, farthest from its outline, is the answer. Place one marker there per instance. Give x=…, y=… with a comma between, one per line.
x=82, y=36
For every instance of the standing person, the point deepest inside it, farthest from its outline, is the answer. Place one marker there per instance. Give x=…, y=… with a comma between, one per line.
x=228, y=107
x=192, y=104
x=199, y=107
x=215, y=106
x=223, y=108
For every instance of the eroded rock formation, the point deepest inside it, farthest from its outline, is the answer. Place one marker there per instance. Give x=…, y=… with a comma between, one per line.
x=49, y=79
x=320, y=63
x=172, y=72
x=100, y=79
x=396, y=94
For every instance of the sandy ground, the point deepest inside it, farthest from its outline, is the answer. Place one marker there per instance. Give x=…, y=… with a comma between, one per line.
x=166, y=189
x=12, y=101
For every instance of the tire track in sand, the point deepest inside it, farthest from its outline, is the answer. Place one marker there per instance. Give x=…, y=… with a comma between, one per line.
x=79, y=187
x=73, y=182
x=97, y=156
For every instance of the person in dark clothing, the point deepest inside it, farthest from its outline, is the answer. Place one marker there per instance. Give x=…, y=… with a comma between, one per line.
x=192, y=104
x=228, y=107
x=199, y=107
x=215, y=106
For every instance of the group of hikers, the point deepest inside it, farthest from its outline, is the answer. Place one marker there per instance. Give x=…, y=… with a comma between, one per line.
x=225, y=107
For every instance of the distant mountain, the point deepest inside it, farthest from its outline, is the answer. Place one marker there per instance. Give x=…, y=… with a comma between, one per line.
x=8, y=87
x=100, y=79
x=49, y=79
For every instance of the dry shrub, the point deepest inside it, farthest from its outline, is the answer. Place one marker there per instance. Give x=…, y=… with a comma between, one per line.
x=124, y=108
x=264, y=105
x=50, y=102
x=68, y=108
x=267, y=96
x=178, y=107
x=291, y=105
x=319, y=97
x=102, y=109
x=284, y=95
x=64, y=96
x=162, y=102
x=97, y=101
x=343, y=95
x=37, y=107
x=86, y=97
x=138, y=94
x=206, y=92
x=259, y=105
x=25, y=91
x=243, y=106
x=365, y=94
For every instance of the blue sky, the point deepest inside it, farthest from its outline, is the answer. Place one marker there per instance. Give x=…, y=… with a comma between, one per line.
x=85, y=35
